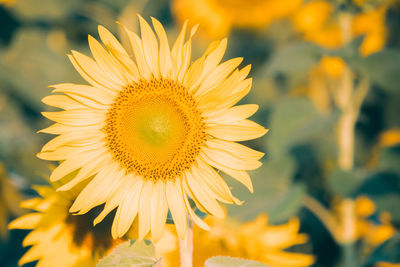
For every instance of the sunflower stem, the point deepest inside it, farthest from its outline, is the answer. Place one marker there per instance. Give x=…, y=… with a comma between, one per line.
x=186, y=247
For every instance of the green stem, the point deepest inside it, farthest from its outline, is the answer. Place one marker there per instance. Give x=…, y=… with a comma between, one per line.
x=349, y=255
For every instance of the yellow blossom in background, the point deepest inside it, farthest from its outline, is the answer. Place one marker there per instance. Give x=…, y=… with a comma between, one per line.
x=372, y=25
x=218, y=17
x=322, y=78
x=312, y=16
x=317, y=22
x=387, y=264
x=9, y=199
x=332, y=66
x=7, y=2
x=256, y=240
x=390, y=138
x=149, y=132
x=59, y=238
x=372, y=233
x=313, y=20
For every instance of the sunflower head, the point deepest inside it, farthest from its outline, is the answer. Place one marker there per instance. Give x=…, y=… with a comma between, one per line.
x=151, y=130
x=58, y=238
x=256, y=240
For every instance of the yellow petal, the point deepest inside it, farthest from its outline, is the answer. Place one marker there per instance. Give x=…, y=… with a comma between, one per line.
x=218, y=75
x=33, y=254
x=215, y=182
x=211, y=62
x=235, y=149
x=288, y=259
x=159, y=210
x=91, y=72
x=99, y=95
x=77, y=117
x=87, y=171
x=137, y=49
x=29, y=221
x=107, y=63
x=116, y=197
x=118, y=51
x=176, y=205
x=150, y=46
x=203, y=195
x=233, y=114
x=241, y=176
x=97, y=191
x=74, y=139
x=145, y=209
x=127, y=210
x=59, y=128
x=165, y=60
x=62, y=101
x=192, y=214
x=230, y=160
x=237, y=131
x=73, y=163
x=177, y=52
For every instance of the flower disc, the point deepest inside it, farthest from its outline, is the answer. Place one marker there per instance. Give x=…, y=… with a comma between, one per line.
x=154, y=129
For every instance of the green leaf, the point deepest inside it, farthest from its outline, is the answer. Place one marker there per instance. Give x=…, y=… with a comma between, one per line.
x=382, y=68
x=389, y=159
x=224, y=261
x=389, y=202
x=295, y=121
x=131, y=253
x=48, y=9
x=388, y=251
x=293, y=59
x=29, y=72
x=345, y=183
x=274, y=192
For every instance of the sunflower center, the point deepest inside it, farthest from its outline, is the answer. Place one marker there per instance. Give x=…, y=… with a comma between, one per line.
x=154, y=129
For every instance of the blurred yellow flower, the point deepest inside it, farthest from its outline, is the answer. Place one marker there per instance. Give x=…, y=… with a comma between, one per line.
x=256, y=240
x=314, y=21
x=387, y=264
x=149, y=132
x=59, y=238
x=217, y=17
x=332, y=66
x=364, y=206
x=372, y=25
x=9, y=200
x=312, y=16
x=349, y=221
x=390, y=138
x=317, y=22
x=372, y=233
x=7, y=2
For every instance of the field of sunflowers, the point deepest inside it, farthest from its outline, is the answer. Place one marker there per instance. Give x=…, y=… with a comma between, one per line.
x=211, y=133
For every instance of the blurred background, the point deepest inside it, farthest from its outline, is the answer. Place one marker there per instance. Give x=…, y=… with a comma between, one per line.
x=326, y=76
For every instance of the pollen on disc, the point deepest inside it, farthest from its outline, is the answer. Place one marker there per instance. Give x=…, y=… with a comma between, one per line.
x=154, y=129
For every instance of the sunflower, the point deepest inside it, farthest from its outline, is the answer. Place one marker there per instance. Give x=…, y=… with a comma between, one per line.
x=149, y=132
x=256, y=240
x=59, y=238
x=217, y=17
x=318, y=23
